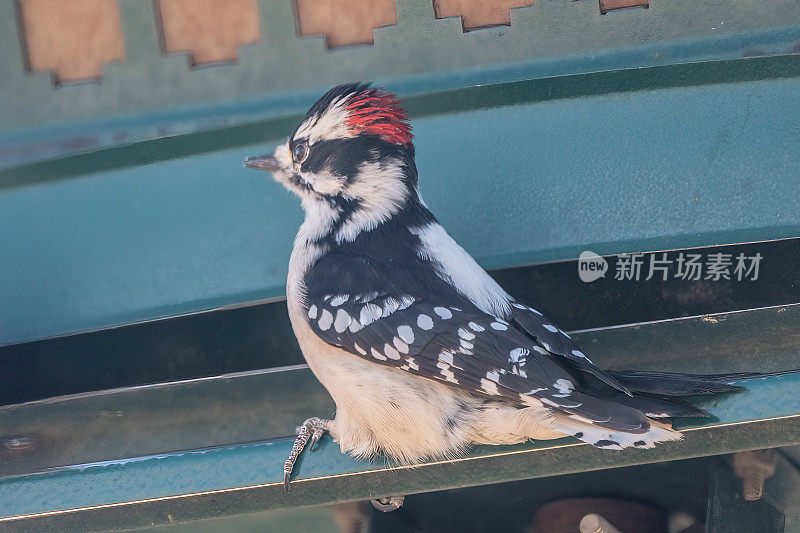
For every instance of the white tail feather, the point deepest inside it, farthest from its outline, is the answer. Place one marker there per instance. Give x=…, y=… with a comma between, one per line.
x=614, y=440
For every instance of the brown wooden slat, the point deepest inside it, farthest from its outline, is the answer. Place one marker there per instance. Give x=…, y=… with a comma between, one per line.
x=210, y=30
x=344, y=22
x=478, y=13
x=73, y=39
x=608, y=5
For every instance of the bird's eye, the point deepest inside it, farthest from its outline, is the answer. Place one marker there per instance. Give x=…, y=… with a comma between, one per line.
x=300, y=152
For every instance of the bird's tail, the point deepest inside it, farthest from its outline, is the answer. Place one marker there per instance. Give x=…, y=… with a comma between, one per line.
x=675, y=384
x=658, y=395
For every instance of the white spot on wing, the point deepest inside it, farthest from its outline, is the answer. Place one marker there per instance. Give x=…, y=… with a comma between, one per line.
x=312, y=312
x=390, y=352
x=326, y=320
x=466, y=335
x=359, y=349
x=342, y=321
x=550, y=327
x=448, y=375
x=498, y=326
x=339, y=299
x=517, y=353
x=489, y=386
x=369, y=314
x=564, y=386
x=406, y=333
x=377, y=355
x=443, y=312
x=534, y=391
x=476, y=327
x=446, y=357
x=400, y=345
x=368, y=297
x=390, y=306
x=424, y=322
x=405, y=302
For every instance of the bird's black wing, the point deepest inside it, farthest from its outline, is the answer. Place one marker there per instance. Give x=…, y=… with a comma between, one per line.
x=555, y=341
x=463, y=347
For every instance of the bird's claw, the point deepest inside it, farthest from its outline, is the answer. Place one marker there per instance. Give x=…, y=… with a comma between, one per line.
x=318, y=433
x=313, y=429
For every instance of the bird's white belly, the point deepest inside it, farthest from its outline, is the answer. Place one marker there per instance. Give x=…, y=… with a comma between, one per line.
x=386, y=410
x=380, y=409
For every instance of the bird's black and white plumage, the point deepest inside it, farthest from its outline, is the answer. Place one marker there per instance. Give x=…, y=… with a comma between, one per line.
x=422, y=351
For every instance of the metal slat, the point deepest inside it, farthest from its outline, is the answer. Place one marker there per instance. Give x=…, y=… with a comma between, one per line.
x=245, y=478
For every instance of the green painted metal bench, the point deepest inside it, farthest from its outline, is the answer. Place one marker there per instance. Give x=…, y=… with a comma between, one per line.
x=124, y=202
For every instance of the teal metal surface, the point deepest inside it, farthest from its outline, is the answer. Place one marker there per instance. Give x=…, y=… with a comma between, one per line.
x=614, y=172
x=247, y=477
x=639, y=129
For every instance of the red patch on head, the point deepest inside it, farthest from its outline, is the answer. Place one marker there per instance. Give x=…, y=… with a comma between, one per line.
x=378, y=112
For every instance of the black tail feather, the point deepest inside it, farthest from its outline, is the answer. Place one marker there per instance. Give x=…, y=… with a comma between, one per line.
x=676, y=384
x=661, y=407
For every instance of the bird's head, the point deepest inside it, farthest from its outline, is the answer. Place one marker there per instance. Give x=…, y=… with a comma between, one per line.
x=350, y=159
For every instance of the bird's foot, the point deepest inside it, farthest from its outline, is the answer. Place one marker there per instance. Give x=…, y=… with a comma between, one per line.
x=386, y=505
x=313, y=429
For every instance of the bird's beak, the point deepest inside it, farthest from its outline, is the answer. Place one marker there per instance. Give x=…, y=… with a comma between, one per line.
x=262, y=162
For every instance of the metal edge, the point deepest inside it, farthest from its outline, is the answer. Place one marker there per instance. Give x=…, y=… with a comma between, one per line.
x=722, y=438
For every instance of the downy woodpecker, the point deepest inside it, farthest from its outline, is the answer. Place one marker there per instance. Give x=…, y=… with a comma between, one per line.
x=422, y=351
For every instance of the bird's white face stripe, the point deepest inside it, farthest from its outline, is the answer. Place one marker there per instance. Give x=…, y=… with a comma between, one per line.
x=332, y=124
x=380, y=192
